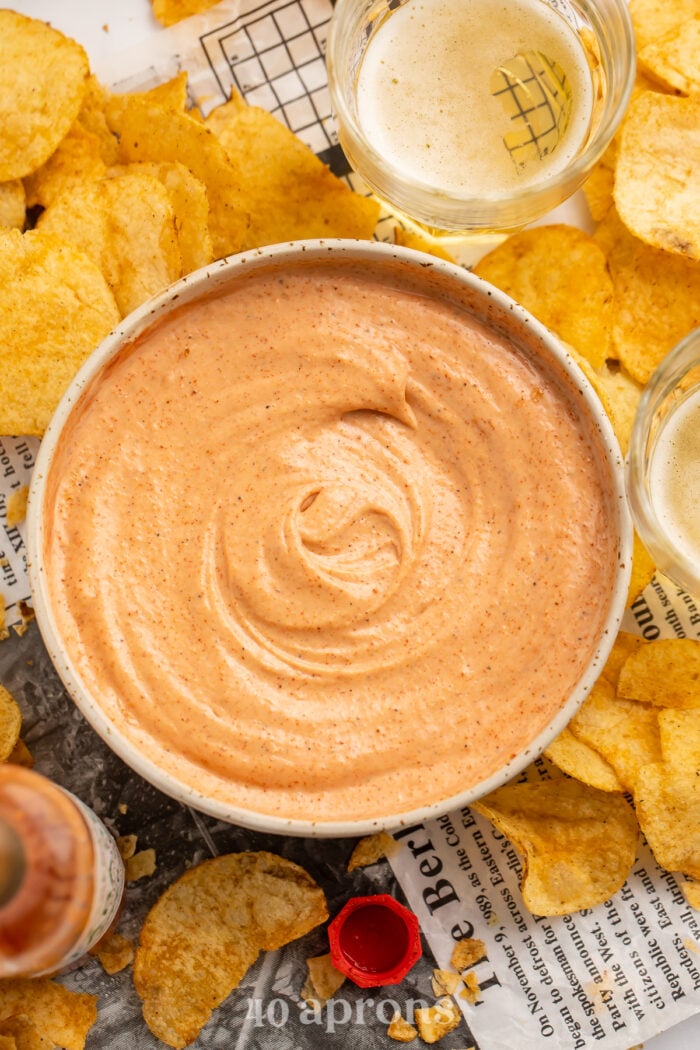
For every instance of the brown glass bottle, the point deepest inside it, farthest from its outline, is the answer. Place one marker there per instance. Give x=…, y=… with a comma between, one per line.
x=61, y=876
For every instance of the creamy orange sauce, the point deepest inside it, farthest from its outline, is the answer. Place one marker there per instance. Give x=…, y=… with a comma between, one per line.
x=327, y=549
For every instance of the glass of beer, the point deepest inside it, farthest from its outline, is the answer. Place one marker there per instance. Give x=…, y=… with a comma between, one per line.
x=475, y=115
x=663, y=466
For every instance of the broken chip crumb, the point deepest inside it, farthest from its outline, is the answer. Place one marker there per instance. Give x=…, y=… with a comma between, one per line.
x=400, y=1030
x=114, y=952
x=21, y=755
x=445, y=982
x=17, y=506
x=322, y=982
x=371, y=849
x=140, y=865
x=437, y=1021
x=123, y=808
x=126, y=844
x=467, y=952
x=472, y=988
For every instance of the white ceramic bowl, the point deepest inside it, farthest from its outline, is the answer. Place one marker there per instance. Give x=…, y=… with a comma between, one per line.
x=477, y=298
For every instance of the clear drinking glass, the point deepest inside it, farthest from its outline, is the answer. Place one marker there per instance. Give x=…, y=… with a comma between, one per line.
x=663, y=465
x=603, y=43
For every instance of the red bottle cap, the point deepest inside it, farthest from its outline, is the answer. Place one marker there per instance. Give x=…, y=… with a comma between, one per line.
x=374, y=940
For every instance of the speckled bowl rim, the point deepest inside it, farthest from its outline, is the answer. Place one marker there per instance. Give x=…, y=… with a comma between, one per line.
x=487, y=304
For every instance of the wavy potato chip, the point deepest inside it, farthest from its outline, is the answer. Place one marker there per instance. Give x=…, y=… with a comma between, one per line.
x=665, y=673
x=624, y=732
x=287, y=191
x=559, y=274
x=208, y=928
x=657, y=179
x=43, y=77
x=625, y=644
x=667, y=800
x=598, y=187
x=13, y=204
x=674, y=60
x=77, y=159
x=10, y=724
x=126, y=225
x=680, y=737
x=657, y=297
x=55, y=307
x=148, y=131
x=93, y=118
x=575, y=757
x=653, y=19
x=61, y=1017
x=578, y=843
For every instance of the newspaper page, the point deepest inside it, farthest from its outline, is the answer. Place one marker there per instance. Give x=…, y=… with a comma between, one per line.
x=616, y=974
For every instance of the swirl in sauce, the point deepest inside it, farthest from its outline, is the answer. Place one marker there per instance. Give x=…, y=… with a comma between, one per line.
x=327, y=548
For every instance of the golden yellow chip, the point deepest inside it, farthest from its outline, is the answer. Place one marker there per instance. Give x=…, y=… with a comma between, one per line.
x=126, y=225
x=207, y=929
x=625, y=645
x=421, y=243
x=472, y=988
x=680, y=737
x=61, y=1017
x=149, y=131
x=657, y=297
x=55, y=307
x=43, y=77
x=126, y=844
x=598, y=187
x=539, y=268
x=10, y=724
x=400, y=1030
x=21, y=1034
x=188, y=197
x=287, y=191
x=140, y=865
x=467, y=952
x=17, y=506
x=371, y=849
x=665, y=673
x=77, y=159
x=573, y=756
x=93, y=118
x=643, y=569
x=624, y=732
x=653, y=19
x=168, y=12
x=673, y=61
x=667, y=800
x=21, y=755
x=434, y=1022
x=171, y=94
x=7, y=1042
x=114, y=952
x=619, y=394
x=444, y=982
x=657, y=179
x=13, y=204
x=322, y=982
x=578, y=844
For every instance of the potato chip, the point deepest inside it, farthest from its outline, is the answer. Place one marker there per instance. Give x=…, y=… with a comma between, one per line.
x=43, y=77
x=371, y=849
x=61, y=1017
x=188, y=197
x=578, y=843
x=540, y=266
x=657, y=179
x=657, y=297
x=411, y=239
x=666, y=673
x=444, y=982
x=17, y=506
x=680, y=737
x=22, y=1034
x=619, y=394
x=77, y=159
x=4, y=633
x=10, y=724
x=400, y=1030
x=114, y=952
x=150, y=132
x=434, y=1022
x=126, y=225
x=287, y=191
x=625, y=644
x=467, y=952
x=13, y=204
x=667, y=801
x=598, y=187
x=140, y=865
x=673, y=61
x=323, y=981
x=171, y=94
x=93, y=118
x=643, y=570
x=578, y=759
x=168, y=12
x=472, y=989
x=55, y=307
x=653, y=19
x=126, y=844
x=624, y=732
x=208, y=928
x=21, y=755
